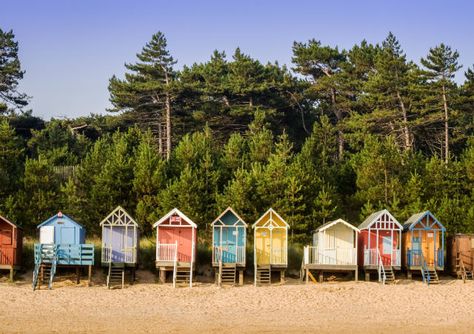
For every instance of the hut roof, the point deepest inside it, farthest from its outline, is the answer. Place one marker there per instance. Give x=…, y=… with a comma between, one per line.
x=417, y=217
x=173, y=212
x=375, y=216
x=272, y=212
x=334, y=222
x=9, y=222
x=221, y=221
x=118, y=217
x=59, y=215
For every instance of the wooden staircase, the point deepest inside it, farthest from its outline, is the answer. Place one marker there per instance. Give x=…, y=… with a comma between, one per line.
x=182, y=276
x=461, y=270
x=389, y=275
x=430, y=276
x=227, y=274
x=264, y=275
x=45, y=266
x=116, y=276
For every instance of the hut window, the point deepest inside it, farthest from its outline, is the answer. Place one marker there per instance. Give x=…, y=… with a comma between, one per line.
x=330, y=239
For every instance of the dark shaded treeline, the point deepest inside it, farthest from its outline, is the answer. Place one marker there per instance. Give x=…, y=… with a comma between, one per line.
x=343, y=133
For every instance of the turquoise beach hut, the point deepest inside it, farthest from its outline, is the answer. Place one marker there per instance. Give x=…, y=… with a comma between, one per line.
x=229, y=240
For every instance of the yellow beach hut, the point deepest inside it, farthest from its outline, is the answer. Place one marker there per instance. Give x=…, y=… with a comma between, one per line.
x=270, y=247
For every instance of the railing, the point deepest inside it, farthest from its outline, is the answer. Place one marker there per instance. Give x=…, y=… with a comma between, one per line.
x=371, y=258
x=125, y=255
x=279, y=256
x=67, y=254
x=4, y=259
x=415, y=258
x=338, y=256
x=166, y=252
x=381, y=269
x=229, y=254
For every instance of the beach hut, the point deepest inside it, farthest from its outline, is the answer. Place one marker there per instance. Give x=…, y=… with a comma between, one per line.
x=61, y=244
x=380, y=246
x=229, y=239
x=334, y=249
x=270, y=247
x=11, y=241
x=119, y=246
x=423, y=246
x=460, y=255
x=176, y=240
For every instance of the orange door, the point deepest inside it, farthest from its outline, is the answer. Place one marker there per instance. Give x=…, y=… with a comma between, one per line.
x=429, y=248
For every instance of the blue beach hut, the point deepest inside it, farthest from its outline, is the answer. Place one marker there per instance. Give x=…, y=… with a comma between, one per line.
x=119, y=246
x=229, y=240
x=61, y=244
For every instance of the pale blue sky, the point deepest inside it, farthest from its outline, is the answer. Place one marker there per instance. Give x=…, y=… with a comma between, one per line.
x=70, y=49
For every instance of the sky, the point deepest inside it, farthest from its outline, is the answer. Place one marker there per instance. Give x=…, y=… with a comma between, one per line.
x=70, y=49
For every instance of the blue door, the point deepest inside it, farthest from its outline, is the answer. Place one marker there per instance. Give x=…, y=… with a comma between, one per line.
x=67, y=235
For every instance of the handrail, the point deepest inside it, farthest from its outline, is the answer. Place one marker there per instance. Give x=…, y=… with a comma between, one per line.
x=337, y=256
x=381, y=269
x=175, y=264
x=424, y=270
x=53, y=266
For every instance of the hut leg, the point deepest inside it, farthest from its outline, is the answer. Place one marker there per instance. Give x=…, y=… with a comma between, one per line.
x=356, y=275
x=89, y=275
x=307, y=275
x=12, y=272
x=282, y=276
x=241, y=277
x=41, y=277
x=367, y=276
x=78, y=275
x=321, y=277
x=409, y=275
x=162, y=276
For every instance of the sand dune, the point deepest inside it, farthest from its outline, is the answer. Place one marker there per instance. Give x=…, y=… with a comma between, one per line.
x=349, y=307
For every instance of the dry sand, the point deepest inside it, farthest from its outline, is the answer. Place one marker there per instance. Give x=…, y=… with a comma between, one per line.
x=339, y=307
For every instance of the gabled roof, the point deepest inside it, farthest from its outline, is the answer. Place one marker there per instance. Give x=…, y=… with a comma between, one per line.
x=334, y=222
x=59, y=215
x=229, y=209
x=9, y=222
x=273, y=212
x=375, y=216
x=118, y=217
x=417, y=217
x=173, y=212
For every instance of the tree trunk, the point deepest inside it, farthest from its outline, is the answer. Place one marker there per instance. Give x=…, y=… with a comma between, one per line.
x=168, y=117
x=446, y=126
x=406, y=131
x=340, y=134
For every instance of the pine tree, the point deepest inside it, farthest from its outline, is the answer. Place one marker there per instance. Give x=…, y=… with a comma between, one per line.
x=441, y=65
x=149, y=90
x=10, y=73
x=11, y=161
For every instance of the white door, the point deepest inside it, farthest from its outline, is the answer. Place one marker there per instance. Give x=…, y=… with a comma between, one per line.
x=47, y=235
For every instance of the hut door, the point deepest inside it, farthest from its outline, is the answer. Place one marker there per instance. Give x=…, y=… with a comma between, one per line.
x=429, y=248
x=262, y=245
x=184, y=244
x=47, y=235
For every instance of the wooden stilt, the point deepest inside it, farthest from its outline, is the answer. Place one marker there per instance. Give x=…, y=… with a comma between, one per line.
x=241, y=277
x=307, y=275
x=321, y=277
x=11, y=274
x=162, y=276
x=356, y=275
x=78, y=275
x=89, y=275
x=367, y=276
x=282, y=276
x=409, y=274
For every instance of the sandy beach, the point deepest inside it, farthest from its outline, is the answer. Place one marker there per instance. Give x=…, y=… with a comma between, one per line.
x=408, y=306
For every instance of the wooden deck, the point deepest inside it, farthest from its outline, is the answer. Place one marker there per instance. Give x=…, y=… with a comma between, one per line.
x=375, y=268
x=169, y=265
